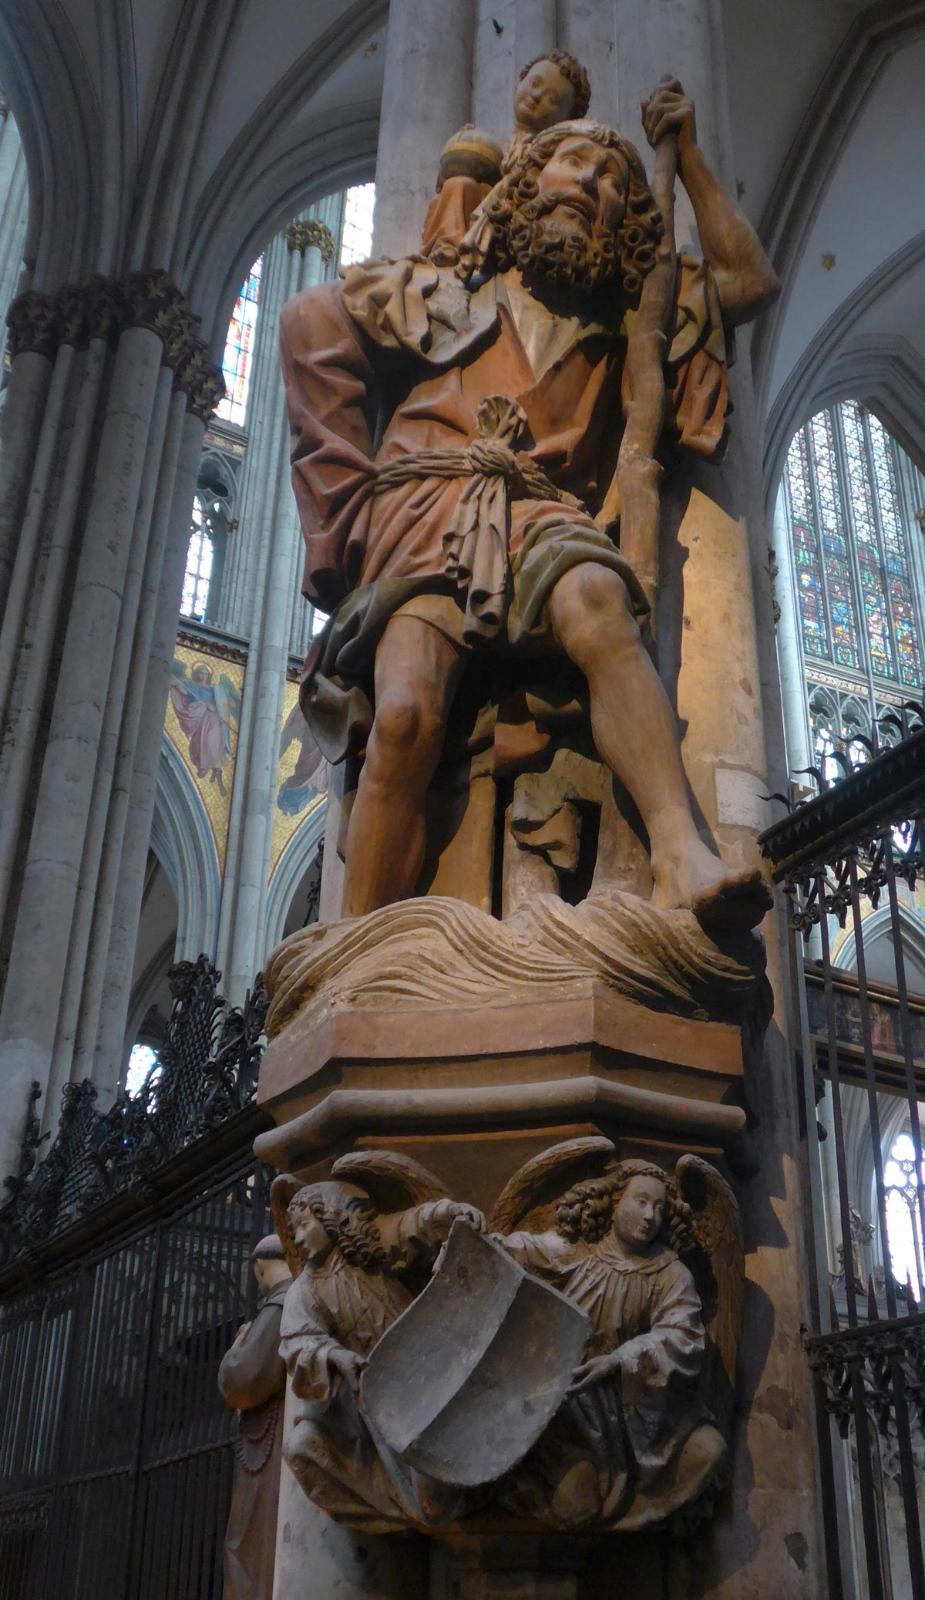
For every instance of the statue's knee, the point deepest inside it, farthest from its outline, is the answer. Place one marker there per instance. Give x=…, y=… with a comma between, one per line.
x=591, y=608
x=601, y=589
x=405, y=726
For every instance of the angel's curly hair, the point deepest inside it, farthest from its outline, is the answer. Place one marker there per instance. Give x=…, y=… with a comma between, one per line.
x=351, y=1224
x=572, y=70
x=585, y=1212
x=632, y=249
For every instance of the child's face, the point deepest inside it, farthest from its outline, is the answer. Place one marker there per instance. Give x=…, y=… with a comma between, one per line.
x=639, y=1212
x=543, y=97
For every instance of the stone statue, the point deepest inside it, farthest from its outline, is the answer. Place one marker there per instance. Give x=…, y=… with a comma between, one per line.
x=356, y=1266
x=252, y=1378
x=652, y=1261
x=499, y=535
x=637, y=1440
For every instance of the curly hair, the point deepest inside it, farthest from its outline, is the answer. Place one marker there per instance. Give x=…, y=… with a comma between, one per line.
x=572, y=70
x=351, y=1226
x=586, y=1211
x=512, y=204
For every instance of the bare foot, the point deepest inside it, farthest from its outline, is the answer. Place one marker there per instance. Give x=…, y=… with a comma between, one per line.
x=725, y=902
x=738, y=902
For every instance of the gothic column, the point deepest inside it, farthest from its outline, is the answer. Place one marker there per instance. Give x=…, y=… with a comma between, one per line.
x=265, y=576
x=426, y=96
x=96, y=424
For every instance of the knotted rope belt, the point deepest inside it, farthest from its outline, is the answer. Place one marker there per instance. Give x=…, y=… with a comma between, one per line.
x=475, y=545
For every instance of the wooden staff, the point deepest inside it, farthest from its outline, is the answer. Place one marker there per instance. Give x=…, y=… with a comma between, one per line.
x=634, y=493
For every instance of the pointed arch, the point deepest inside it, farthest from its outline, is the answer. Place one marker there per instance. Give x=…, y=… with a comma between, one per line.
x=290, y=869
x=182, y=840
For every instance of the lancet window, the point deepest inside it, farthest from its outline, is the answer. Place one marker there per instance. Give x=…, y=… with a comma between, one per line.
x=904, y=1214
x=239, y=348
x=200, y=562
x=357, y=232
x=851, y=497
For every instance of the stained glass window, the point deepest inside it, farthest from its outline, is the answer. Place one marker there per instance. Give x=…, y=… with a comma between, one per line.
x=239, y=348
x=357, y=233
x=851, y=546
x=903, y=1214
x=200, y=555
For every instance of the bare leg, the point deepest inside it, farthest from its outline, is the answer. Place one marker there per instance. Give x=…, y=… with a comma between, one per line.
x=417, y=670
x=636, y=735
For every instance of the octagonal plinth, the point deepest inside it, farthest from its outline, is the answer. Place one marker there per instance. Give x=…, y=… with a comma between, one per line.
x=474, y=1091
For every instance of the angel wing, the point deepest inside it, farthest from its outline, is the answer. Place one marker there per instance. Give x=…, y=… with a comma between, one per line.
x=291, y=729
x=718, y=1267
x=547, y=1176
x=227, y=700
x=282, y=1190
x=177, y=668
x=393, y=1181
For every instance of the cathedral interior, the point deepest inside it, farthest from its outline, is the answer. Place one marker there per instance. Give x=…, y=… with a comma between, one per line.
x=171, y=175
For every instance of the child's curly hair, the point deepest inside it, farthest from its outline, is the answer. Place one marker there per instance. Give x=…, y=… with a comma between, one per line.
x=631, y=250
x=585, y=1212
x=572, y=70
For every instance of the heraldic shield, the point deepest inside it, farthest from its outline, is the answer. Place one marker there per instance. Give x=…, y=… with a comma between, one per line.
x=465, y=1381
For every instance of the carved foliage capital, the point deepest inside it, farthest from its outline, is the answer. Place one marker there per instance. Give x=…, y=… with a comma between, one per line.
x=33, y=325
x=302, y=235
x=103, y=308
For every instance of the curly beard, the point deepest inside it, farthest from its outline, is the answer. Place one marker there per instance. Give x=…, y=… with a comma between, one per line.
x=552, y=252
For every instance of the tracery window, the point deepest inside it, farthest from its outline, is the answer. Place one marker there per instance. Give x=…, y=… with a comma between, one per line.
x=239, y=348
x=852, y=534
x=904, y=1213
x=356, y=237
x=200, y=561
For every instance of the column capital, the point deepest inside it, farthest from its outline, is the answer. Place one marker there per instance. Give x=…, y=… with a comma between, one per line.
x=104, y=308
x=302, y=235
x=33, y=324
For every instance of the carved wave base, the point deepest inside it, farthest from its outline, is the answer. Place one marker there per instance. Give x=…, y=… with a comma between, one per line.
x=438, y=952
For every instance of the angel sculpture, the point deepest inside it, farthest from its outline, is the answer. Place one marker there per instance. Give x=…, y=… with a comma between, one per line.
x=636, y=1441
x=358, y=1257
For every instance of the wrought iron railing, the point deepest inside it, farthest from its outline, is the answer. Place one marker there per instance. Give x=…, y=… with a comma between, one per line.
x=124, y=1277
x=853, y=853
x=204, y=1075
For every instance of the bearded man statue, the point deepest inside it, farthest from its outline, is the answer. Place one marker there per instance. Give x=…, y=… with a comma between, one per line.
x=453, y=440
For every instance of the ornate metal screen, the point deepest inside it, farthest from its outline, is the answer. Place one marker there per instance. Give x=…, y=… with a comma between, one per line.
x=852, y=862
x=123, y=1278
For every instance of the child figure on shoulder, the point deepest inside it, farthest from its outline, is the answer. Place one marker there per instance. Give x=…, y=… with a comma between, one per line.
x=551, y=88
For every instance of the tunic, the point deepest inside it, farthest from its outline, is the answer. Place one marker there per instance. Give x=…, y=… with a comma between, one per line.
x=406, y=342
x=632, y=1425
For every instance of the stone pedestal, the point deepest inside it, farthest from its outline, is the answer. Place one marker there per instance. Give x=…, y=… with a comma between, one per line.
x=473, y=1093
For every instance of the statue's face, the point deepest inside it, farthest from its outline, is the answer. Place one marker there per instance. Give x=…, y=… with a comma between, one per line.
x=583, y=188
x=269, y=1272
x=566, y=234
x=309, y=1235
x=639, y=1212
x=543, y=97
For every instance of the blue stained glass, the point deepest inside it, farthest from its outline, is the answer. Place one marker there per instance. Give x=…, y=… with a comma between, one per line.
x=239, y=348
